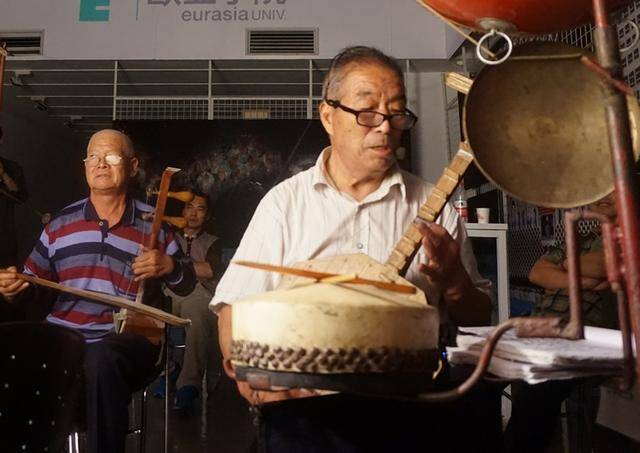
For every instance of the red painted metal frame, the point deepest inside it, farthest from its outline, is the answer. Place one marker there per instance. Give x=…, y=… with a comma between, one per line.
x=623, y=162
x=621, y=242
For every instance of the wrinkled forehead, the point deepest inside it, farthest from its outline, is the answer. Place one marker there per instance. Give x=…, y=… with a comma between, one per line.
x=364, y=81
x=104, y=142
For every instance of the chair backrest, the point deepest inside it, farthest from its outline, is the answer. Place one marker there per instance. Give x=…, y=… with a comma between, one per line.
x=41, y=385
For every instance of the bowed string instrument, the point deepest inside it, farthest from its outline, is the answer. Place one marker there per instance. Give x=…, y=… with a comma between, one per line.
x=135, y=316
x=128, y=321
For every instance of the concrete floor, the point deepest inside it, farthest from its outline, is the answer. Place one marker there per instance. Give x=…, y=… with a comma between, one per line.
x=220, y=423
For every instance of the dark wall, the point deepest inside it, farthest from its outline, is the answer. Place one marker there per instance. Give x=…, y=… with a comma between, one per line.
x=50, y=155
x=235, y=162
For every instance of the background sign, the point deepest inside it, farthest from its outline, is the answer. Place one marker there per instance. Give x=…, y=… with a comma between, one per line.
x=217, y=29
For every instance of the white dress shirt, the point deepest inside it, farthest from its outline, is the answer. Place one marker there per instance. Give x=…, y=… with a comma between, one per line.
x=306, y=217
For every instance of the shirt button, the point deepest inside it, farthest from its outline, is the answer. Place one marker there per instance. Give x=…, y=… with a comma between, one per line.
x=359, y=245
x=101, y=223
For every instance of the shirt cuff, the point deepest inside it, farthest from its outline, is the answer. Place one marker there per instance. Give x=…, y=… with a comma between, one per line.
x=176, y=275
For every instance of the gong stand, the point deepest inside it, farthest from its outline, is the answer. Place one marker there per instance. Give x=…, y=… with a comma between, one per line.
x=3, y=58
x=627, y=231
x=621, y=241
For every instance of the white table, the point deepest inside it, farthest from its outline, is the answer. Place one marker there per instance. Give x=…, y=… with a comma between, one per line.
x=498, y=231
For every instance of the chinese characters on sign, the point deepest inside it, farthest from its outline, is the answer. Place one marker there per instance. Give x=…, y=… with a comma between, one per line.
x=215, y=2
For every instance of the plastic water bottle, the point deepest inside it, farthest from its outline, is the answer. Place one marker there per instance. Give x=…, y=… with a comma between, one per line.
x=460, y=202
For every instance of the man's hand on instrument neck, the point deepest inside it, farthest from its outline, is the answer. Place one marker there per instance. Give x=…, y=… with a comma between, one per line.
x=466, y=305
x=10, y=285
x=152, y=264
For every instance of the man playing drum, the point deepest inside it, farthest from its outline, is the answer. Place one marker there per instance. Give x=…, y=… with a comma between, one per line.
x=355, y=199
x=94, y=244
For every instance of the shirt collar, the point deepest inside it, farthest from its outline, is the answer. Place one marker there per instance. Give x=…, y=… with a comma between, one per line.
x=320, y=177
x=195, y=236
x=128, y=218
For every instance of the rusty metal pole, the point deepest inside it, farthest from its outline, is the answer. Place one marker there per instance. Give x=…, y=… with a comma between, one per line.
x=627, y=197
x=575, y=328
x=3, y=57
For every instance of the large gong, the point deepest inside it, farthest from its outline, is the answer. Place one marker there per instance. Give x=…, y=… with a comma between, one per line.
x=537, y=127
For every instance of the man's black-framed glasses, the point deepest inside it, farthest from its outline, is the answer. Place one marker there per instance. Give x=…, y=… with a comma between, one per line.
x=371, y=118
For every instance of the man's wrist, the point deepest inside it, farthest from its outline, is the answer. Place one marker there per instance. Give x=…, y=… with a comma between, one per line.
x=174, y=276
x=458, y=286
x=169, y=264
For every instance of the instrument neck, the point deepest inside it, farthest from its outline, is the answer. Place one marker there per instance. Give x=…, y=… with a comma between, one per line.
x=409, y=244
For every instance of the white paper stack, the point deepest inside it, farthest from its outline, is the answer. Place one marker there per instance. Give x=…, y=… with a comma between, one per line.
x=536, y=360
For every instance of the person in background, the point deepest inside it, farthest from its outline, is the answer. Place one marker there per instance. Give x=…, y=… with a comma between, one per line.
x=550, y=272
x=13, y=190
x=94, y=244
x=201, y=352
x=536, y=408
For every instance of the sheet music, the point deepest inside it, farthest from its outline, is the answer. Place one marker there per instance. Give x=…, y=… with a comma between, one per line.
x=531, y=373
x=601, y=346
x=539, y=359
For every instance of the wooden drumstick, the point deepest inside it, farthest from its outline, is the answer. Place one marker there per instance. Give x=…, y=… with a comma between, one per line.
x=324, y=276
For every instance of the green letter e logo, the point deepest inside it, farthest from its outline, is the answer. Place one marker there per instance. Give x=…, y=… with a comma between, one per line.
x=94, y=10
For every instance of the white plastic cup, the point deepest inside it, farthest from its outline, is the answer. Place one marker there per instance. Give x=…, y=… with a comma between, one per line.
x=482, y=215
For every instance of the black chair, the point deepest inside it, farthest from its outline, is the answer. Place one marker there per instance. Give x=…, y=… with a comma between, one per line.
x=41, y=385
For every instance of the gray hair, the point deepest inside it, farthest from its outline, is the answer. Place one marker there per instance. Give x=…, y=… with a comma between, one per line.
x=355, y=55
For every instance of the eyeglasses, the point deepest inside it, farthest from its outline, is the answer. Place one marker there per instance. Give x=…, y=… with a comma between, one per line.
x=109, y=159
x=370, y=118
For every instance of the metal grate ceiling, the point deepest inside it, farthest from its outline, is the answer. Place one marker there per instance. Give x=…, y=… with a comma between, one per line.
x=88, y=95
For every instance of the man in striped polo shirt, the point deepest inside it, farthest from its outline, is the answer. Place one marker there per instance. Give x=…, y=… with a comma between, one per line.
x=95, y=244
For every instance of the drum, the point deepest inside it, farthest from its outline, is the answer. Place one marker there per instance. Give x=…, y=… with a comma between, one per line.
x=336, y=336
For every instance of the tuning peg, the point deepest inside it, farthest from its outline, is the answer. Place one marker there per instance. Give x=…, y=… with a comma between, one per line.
x=178, y=222
x=184, y=196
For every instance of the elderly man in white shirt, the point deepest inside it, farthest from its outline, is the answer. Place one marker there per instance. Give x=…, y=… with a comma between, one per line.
x=355, y=199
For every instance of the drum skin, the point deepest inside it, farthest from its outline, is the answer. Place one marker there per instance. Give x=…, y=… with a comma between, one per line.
x=522, y=16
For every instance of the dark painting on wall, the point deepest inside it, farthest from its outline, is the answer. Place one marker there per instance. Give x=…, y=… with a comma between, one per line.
x=235, y=162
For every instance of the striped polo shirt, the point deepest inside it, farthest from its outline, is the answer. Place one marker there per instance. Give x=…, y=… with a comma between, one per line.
x=79, y=250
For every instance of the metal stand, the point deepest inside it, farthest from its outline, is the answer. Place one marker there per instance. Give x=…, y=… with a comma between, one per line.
x=626, y=185
x=166, y=388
